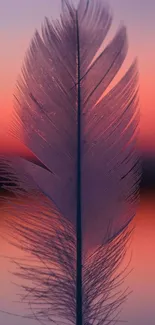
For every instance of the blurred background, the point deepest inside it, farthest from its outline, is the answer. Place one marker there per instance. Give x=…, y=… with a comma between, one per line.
x=18, y=21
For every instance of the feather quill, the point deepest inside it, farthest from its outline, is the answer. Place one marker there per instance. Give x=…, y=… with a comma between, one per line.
x=86, y=167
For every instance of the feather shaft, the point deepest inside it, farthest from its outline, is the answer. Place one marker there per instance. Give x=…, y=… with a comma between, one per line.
x=78, y=217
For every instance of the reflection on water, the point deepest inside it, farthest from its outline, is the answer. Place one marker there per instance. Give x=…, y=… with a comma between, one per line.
x=139, y=309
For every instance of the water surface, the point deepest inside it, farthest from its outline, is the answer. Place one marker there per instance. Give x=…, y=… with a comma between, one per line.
x=138, y=310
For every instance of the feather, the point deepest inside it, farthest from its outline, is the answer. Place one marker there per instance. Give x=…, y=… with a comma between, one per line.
x=86, y=167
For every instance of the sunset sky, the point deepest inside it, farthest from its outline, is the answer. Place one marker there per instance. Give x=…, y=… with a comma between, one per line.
x=18, y=20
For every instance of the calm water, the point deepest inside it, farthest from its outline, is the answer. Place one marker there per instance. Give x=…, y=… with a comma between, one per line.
x=140, y=307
